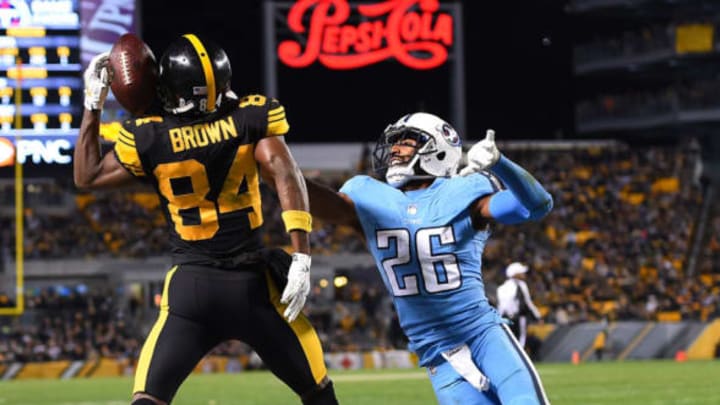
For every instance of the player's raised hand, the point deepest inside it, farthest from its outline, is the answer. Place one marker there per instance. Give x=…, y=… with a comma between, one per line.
x=298, y=285
x=97, y=82
x=482, y=155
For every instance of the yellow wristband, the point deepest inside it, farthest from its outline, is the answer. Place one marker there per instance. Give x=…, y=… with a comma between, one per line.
x=297, y=220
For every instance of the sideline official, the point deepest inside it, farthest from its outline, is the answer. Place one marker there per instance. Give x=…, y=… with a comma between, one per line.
x=514, y=302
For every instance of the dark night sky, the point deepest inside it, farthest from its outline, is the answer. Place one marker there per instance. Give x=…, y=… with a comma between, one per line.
x=515, y=83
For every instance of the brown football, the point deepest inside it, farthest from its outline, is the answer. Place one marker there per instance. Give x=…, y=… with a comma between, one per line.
x=135, y=73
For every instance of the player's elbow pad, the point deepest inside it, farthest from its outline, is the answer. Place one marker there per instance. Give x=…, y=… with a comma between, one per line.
x=507, y=209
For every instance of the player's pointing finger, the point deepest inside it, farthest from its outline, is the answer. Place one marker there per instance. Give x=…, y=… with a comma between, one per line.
x=490, y=135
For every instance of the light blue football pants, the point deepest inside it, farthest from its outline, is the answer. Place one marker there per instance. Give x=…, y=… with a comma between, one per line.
x=498, y=355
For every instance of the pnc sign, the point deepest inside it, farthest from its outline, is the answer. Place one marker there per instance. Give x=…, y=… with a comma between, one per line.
x=414, y=32
x=55, y=151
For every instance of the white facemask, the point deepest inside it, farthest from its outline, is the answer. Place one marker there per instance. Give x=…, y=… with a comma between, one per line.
x=398, y=175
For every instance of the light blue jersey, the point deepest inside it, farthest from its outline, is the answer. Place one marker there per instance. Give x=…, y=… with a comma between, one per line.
x=430, y=257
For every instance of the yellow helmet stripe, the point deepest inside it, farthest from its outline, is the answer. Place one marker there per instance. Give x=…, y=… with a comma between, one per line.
x=207, y=68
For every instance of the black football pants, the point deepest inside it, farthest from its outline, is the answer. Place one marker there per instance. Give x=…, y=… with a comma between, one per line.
x=203, y=306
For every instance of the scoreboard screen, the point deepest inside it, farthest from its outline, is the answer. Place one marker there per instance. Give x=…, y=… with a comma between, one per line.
x=40, y=75
x=44, y=48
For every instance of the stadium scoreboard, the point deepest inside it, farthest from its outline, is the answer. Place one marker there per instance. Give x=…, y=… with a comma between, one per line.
x=40, y=78
x=44, y=47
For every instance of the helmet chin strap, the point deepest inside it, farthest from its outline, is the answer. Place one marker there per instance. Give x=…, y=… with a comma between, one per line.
x=191, y=104
x=182, y=109
x=229, y=94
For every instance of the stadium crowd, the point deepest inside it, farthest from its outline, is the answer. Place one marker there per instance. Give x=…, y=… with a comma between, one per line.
x=631, y=43
x=68, y=325
x=656, y=103
x=618, y=241
x=615, y=247
x=635, y=49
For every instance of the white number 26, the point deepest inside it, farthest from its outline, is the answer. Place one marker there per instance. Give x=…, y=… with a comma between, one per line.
x=439, y=272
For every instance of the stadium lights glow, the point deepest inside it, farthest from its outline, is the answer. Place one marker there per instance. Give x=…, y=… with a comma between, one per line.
x=340, y=281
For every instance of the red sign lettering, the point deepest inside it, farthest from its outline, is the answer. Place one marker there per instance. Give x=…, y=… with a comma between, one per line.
x=393, y=28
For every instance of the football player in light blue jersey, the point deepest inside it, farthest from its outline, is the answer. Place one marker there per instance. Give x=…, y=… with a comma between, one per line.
x=426, y=227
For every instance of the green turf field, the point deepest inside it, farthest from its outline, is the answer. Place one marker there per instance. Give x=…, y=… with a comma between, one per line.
x=623, y=383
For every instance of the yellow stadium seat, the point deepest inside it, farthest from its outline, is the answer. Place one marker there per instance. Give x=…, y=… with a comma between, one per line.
x=608, y=306
x=669, y=316
x=666, y=185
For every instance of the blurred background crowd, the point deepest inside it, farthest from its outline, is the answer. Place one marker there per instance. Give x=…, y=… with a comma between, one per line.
x=620, y=99
x=616, y=247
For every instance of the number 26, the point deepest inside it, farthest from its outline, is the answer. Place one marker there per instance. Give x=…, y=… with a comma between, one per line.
x=434, y=280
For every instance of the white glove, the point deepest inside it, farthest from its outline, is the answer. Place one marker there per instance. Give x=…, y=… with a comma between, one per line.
x=483, y=155
x=298, y=285
x=97, y=82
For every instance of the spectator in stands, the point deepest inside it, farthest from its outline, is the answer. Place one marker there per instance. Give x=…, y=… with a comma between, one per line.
x=69, y=328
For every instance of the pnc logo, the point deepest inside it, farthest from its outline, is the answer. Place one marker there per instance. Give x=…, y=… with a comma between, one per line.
x=7, y=153
x=411, y=31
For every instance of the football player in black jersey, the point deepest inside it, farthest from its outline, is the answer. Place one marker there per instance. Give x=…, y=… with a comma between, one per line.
x=205, y=154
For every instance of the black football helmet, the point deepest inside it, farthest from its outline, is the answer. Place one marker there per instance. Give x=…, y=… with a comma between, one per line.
x=194, y=76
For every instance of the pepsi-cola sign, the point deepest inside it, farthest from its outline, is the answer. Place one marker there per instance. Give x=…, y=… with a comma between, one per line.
x=413, y=32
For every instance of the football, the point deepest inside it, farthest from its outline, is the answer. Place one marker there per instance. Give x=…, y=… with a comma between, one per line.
x=134, y=73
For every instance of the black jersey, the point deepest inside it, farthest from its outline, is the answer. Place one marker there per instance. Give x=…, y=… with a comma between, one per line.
x=205, y=174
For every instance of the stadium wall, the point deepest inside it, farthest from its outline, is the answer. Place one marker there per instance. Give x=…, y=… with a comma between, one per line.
x=626, y=340
x=110, y=367
x=705, y=346
x=631, y=340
